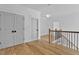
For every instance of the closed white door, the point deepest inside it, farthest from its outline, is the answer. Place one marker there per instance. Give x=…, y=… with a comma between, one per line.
x=34, y=28
x=19, y=29
x=7, y=22
x=0, y=30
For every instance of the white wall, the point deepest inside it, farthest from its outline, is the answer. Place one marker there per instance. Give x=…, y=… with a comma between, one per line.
x=45, y=22
x=68, y=16
x=69, y=21
x=19, y=9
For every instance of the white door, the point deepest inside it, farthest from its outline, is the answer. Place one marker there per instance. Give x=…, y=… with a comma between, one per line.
x=34, y=28
x=0, y=30
x=11, y=29
x=7, y=22
x=19, y=28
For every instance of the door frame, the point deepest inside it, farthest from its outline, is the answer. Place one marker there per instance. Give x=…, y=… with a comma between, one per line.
x=38, y=27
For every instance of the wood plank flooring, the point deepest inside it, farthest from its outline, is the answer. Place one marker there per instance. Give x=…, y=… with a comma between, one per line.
x=40, y=47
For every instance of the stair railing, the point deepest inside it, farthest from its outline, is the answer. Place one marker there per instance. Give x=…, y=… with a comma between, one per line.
x=72, y=38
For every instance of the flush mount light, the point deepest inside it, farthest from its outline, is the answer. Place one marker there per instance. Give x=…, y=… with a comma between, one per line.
x=48, y=15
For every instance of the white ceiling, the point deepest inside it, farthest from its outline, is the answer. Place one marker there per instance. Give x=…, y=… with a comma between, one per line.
x=54, y=9
x=43, y=8
x=38, y=7
x=51, y=8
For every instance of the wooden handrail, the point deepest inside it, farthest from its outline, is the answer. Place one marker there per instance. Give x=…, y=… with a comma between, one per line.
x=68, y=39
x=63, y=31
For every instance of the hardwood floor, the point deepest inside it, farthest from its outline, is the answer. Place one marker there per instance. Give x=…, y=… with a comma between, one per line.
x=46, y=37
x=40, y=47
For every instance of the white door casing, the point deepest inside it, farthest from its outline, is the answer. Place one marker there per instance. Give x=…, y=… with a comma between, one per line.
x=0, y=29
x=34, y=28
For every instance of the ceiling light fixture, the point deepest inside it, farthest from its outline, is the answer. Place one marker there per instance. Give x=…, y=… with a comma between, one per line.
x=48, y=15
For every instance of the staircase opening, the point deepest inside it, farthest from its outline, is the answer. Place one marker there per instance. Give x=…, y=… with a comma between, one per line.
x=69, y=39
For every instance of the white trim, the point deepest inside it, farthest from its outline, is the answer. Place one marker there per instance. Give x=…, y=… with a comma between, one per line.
x=38, y=28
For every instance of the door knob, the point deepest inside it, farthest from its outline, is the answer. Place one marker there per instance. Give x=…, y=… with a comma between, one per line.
x=13, y=31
